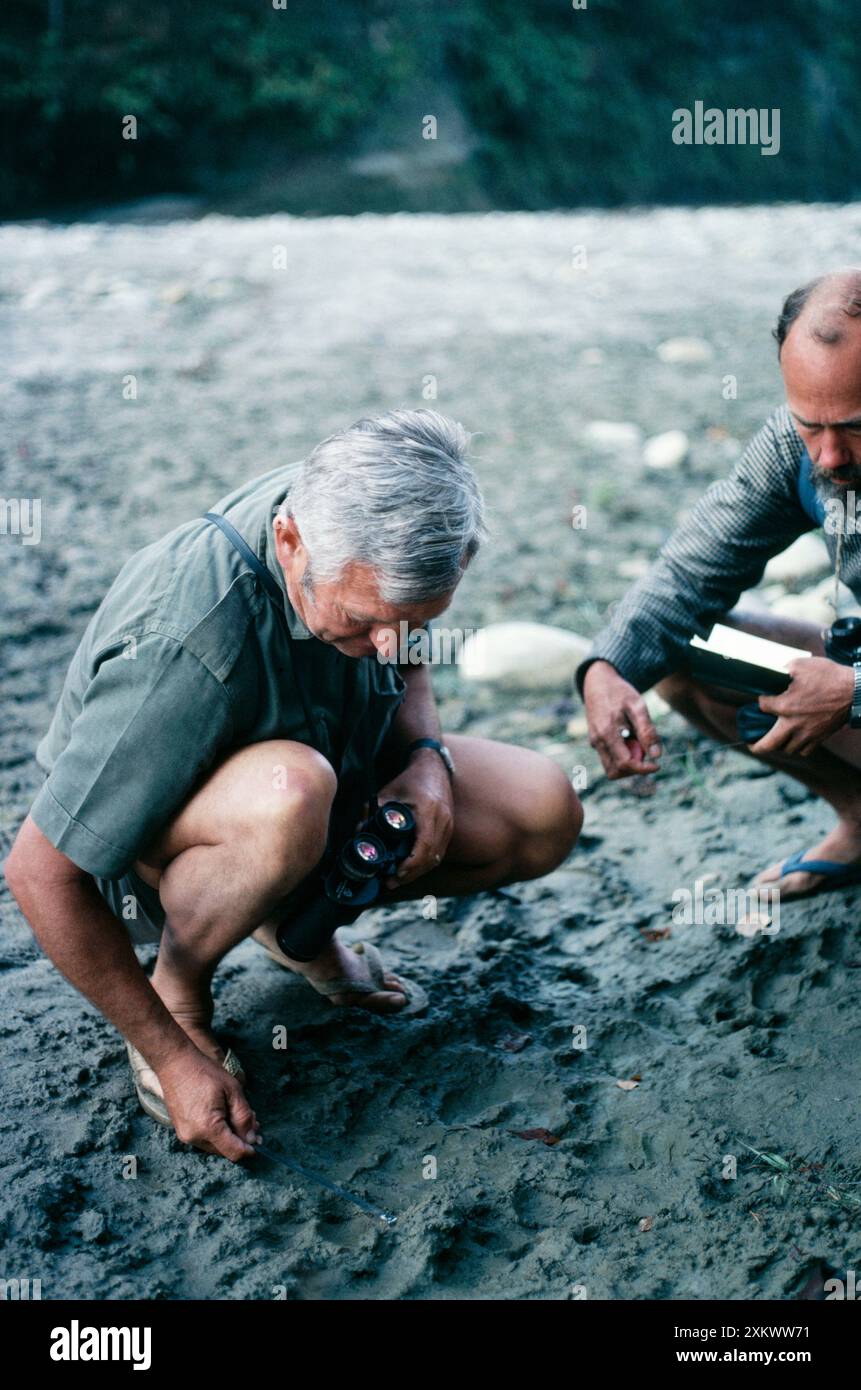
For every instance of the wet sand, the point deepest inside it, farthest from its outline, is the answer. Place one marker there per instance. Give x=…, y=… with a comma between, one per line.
x=735, y=1041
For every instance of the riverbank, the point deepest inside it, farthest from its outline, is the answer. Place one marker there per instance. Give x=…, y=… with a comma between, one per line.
x=587, y=1066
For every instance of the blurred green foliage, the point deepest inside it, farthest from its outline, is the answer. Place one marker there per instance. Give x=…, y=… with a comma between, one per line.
x=564, y=106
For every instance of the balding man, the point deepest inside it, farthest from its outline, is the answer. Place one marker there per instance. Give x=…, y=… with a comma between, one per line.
x=804, y=464
x=222, y=722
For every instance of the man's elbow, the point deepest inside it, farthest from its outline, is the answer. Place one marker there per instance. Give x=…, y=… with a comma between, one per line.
x=34, y=863
x=15, y=869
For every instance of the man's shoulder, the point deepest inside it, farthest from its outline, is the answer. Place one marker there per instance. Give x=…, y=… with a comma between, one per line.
x=189, y=585
x=260, y=493
x=777, y=442
x=182, y=587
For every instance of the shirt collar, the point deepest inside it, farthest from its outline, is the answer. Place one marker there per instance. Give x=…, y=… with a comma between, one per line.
x=266, y=551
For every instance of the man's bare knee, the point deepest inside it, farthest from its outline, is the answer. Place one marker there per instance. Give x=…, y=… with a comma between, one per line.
x=266, y=797
x=679, y=691
x=287, y=813
x=552, y=837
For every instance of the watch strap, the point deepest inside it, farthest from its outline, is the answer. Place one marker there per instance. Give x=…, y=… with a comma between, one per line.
x=855, y=709
x=438, y=747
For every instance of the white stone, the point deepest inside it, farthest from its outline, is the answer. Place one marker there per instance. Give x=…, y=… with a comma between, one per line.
x=523, y=656
x=683, y=350
x=847, y=603
x=760, y=600
x=634, y=567
x=667, y=450
x=753, y=922
x=174, y=293
x=805, y=558
x=656, y=705
x=577, y=726
x=612, y=434
x=807, y=608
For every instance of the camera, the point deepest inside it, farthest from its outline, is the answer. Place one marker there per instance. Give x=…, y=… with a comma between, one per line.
x=842, y=642
x=349, y=881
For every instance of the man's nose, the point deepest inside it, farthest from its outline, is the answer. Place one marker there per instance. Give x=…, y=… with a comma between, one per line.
x=832, y=452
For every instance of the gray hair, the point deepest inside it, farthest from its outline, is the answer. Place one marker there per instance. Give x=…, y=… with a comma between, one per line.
x=394, y=493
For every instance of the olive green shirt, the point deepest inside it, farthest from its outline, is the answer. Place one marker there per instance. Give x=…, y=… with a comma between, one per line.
x=186, y=659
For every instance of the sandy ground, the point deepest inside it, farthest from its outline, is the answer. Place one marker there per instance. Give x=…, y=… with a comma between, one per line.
x=737, y=1042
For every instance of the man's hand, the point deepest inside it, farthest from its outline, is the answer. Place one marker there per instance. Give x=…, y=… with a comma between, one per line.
x=613, y=704
x=816, y=704
x=208, y=1106
x=425, y=786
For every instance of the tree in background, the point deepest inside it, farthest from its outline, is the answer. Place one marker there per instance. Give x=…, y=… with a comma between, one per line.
x=566, y=106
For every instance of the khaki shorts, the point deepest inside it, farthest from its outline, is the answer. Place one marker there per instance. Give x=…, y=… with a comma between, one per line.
x=136, y=905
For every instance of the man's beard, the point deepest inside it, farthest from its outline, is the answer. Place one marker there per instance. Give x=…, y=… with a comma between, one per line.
x=823, y=480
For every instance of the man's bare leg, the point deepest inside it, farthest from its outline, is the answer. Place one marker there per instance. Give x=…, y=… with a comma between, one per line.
x=516, y=817
x=252, y=831
x=833, y=771
x=258, y=826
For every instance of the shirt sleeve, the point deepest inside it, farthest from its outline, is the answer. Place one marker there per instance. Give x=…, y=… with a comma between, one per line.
x=148, y=727
x=720, y=550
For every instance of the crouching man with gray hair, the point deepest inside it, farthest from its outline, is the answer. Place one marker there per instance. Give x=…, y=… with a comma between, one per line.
x=220, y=726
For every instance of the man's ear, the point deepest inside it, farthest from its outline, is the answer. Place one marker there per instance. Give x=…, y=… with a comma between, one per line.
x=288, y=540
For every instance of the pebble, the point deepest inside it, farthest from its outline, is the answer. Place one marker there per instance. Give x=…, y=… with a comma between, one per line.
x=668, y=450
x=633, y=568
x=808, y=607
x=806, y=557
x=523, y=656
x=678, y=351
x=847, y=604
x=174, y=293
x=612, y=434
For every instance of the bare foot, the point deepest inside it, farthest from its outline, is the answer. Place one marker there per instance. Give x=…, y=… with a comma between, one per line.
x=842, y=846
x=336, y=962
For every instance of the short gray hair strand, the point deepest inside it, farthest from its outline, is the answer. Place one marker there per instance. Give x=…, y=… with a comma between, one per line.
x=396, y=493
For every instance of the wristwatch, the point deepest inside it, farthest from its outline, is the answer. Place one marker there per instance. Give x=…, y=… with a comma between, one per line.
x=855, y=710
x=443, y=751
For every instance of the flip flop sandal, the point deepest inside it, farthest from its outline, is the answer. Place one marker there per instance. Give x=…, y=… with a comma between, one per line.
x=417, y=1000
x=151, y=1101
x=836, y=875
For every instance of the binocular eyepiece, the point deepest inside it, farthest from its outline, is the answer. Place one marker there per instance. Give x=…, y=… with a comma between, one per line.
x=374, y=852
x=352, y=883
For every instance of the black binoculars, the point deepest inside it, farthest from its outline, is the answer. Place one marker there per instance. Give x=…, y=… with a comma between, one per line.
x=842, y=643
x=349, y=881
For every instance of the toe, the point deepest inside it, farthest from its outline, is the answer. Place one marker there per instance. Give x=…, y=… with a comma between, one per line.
x=386, y=1002
x=794, y=885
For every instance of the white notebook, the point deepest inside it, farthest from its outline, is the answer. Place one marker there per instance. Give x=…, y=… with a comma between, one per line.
x=744, y=646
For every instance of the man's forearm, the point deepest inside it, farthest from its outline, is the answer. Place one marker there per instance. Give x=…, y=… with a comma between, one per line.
x=78, y=932
x=716, y=552
x=417, y=716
